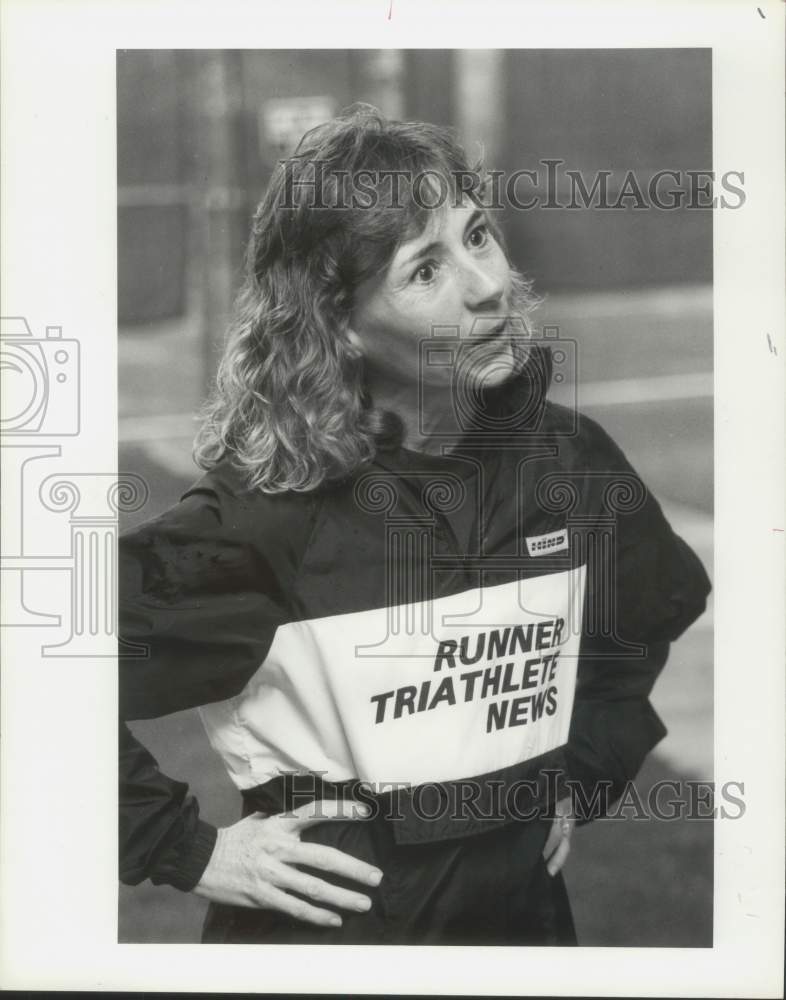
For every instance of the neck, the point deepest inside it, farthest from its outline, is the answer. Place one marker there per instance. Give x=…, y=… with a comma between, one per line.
x=430, y=424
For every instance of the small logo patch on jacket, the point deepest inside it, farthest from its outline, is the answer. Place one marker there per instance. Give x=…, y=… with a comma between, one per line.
x=554, y=541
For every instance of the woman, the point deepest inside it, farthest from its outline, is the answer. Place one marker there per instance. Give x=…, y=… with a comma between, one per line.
x=420, y=607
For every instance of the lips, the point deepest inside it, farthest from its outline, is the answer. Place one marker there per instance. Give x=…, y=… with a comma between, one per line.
x=490, y=334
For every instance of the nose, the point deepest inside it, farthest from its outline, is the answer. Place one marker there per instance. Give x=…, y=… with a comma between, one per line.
x=484, y=285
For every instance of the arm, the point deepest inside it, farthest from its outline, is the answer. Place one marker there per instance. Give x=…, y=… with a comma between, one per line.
x=660, y=588
x=614, y=726
x=612, y=730
x=196, y=619
x=202, y=593
x=161, y=834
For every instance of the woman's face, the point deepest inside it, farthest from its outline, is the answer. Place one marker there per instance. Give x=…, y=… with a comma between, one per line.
x=455, y=275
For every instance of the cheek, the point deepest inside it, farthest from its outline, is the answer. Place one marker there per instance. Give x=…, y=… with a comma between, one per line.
x=391, y=339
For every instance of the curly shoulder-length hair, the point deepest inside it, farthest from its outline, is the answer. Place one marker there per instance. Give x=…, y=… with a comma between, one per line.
x=289, y=405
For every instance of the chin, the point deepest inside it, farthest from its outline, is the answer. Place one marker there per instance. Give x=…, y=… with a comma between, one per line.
x=492, y=368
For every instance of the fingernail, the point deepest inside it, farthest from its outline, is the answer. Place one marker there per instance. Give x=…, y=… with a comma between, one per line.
x=550, y=870
x=363, y=904
x=335, y=921
x=375, y=877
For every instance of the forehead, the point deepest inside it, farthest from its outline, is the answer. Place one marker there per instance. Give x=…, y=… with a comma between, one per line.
x=442, y=224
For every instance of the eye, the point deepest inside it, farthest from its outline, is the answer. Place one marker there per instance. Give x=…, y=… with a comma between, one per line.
x=425, y=273
x=479, y=236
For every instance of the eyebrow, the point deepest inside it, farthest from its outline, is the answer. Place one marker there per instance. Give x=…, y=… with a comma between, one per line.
x=436, y=244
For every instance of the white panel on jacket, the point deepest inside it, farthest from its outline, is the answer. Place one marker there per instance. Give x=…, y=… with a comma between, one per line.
x=435, y=691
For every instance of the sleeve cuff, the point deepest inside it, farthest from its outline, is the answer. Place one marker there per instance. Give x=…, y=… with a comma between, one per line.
x=194, y=861
x=608, y=744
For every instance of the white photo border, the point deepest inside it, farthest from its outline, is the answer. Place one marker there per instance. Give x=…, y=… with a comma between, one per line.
x=59, y=837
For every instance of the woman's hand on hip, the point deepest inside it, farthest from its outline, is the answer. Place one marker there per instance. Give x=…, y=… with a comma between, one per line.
x=254, y=864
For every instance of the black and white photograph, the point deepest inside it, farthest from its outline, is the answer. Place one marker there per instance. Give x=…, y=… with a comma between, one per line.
x=408, y=546
x=385, y=574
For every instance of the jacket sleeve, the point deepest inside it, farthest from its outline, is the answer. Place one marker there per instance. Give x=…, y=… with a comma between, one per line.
x=161, y=834
x=658, y=588
x=199, y=604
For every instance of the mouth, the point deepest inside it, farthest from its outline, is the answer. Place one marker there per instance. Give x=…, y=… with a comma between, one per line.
x=491, y=334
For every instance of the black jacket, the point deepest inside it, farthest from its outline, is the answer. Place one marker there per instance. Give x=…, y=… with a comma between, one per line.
x=465, y=633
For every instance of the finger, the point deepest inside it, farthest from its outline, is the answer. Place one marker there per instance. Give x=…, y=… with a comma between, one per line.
x=330, y=859
x=319, y=891
x=322, y=811
x=554, y=839
x=299, y=909
x=559, y=857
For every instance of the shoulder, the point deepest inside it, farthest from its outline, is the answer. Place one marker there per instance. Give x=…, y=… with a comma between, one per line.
x=241, y=508
x=583, y=443
x=219, y=519
x=524, y=405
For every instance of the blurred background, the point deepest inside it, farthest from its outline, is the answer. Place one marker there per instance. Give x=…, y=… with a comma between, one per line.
x=198, y=135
